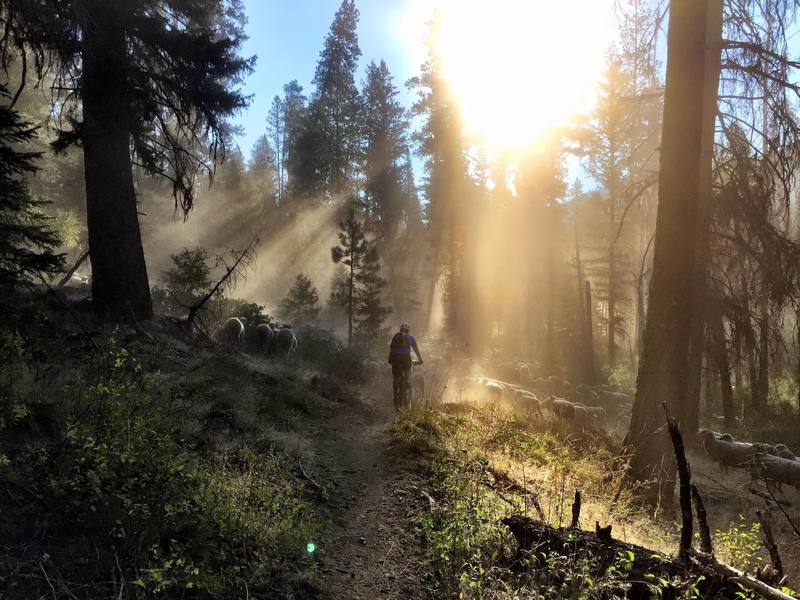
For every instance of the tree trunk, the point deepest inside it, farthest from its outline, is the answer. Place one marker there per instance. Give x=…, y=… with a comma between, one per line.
x=664, y=366
x=590, y=374
x=612, y=279
x=797, y=329
x=351, y=295
x=697, y=342
x=119, y=272
x=720, y=349
x=752, y=372
x=763, y=356
x=550, y=343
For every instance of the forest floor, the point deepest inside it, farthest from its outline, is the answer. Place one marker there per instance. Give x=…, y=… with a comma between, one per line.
x=303, y=477
x=371, y=549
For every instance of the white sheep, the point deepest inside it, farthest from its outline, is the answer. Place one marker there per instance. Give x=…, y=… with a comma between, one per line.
x=230, y=332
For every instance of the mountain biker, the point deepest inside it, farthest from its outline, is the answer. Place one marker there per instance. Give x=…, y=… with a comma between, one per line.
x=400, y=356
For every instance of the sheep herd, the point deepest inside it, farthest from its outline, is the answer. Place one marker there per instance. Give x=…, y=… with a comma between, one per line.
x=533, y=396
x=261, y=338
x=774, y=462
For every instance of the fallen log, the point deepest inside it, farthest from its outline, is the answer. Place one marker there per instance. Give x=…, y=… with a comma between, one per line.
x=736, y=576
x=719, y=580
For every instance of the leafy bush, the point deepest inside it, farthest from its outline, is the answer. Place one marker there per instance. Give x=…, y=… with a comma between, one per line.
x=120, y=503
x=622, y=378
x=739, y=545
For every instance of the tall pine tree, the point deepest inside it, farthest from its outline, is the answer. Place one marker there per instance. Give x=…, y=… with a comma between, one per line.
x=330, y=145
x=446, y=185
x=150, y=81
x=386, y=142
x=301, y=304
x=360, y=292
x=26, y=239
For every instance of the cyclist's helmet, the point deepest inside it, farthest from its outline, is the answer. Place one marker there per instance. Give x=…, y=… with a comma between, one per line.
x=405, y=327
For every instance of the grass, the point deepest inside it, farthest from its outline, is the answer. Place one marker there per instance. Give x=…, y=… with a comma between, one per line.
x=146, y=470
x=466, y=452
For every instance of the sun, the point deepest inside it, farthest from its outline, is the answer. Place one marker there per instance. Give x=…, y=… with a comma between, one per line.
x=518, y=68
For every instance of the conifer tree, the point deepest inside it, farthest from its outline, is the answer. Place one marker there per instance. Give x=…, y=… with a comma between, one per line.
x=386, y=143
x=608, y=148
x=446, y=184
x=370, y=310
x=276, y=127
x=26, y=239
x=263, y=174
x=301, y=304
x=189, y=276
x=149, y=82
x=330, y=145
x=360, y=291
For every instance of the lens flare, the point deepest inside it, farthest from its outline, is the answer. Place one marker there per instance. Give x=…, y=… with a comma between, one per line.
x=311, y=547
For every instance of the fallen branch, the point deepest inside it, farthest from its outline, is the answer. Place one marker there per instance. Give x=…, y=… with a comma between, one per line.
x=68, y=275
x=232, y=271
x=747, y=582
x=303, y=471
x=719, y=580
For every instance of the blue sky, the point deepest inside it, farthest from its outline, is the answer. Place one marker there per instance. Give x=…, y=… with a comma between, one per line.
x=287, y=36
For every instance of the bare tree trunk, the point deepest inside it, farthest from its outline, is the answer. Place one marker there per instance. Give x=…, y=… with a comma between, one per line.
x=720, y=350
x=550, y=342
x=612, y=277
x=697, y=342
x=752, y=371
x=119, y=272
x=664, y=366
x=590, y=370
x=763, y=356
x=797, y=330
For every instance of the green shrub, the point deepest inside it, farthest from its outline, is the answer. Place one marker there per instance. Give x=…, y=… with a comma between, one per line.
x=739, y=545
x=121, y=499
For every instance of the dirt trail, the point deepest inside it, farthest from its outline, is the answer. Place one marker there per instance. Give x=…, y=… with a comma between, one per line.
x=371, y=550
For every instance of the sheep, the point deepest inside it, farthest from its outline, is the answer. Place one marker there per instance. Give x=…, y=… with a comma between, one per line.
x=529, y=402
x=559, y=385
x=725, y=450
x=230, y=332
x=562, y=408
x=493, y=388
x=259, y=338
x=784, y=452
x=285, y=341
x=523, y=372
x=598, y=413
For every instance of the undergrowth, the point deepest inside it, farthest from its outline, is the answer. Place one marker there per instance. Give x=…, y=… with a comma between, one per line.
x=109, y=488
x=472, y=454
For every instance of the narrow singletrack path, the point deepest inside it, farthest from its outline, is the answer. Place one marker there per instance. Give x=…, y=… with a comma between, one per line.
x=372, y=549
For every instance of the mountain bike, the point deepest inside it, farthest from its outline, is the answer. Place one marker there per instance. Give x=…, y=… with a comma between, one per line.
x=406, y=393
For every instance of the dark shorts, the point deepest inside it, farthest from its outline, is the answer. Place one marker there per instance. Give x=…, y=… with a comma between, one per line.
x=400, y=365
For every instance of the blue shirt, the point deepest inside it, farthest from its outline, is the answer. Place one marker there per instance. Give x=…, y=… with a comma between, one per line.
x=403, y=350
